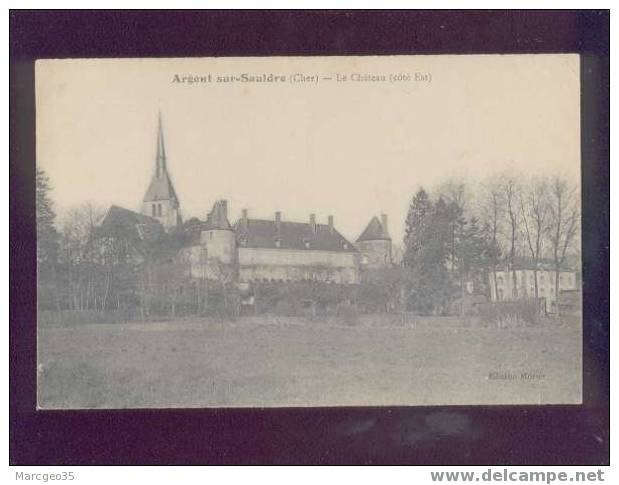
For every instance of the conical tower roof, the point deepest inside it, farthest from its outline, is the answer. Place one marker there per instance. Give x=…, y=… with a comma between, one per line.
x=375, y=231
x=218, y=217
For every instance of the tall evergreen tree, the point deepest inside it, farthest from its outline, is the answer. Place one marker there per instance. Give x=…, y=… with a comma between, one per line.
x=416, y=226
x=47, y=244
x=473, y=251
x=455, y=224
x=428, y=239
x=47, y=236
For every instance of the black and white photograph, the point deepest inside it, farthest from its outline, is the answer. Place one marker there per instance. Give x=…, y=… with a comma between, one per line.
x=319, y=231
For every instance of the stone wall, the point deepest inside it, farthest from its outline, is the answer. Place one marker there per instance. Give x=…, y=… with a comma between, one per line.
x=375, y=254
x=295, y=265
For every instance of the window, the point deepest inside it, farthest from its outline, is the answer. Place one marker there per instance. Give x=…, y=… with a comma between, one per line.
x=159, y=210
x=500, y=294
x=500, y=280
x=278, y=243
x=154, y=210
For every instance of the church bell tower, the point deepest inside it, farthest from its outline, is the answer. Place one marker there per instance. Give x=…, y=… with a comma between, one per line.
x=160, y=201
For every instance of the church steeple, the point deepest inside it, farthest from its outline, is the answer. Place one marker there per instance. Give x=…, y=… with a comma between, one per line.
x=161, y=158
x=160, y=200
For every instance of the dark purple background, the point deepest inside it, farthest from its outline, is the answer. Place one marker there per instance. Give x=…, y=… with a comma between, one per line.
x=417, y=435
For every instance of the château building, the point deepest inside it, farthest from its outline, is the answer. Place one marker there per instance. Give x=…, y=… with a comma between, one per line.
x=252, y=249
x=505, y=288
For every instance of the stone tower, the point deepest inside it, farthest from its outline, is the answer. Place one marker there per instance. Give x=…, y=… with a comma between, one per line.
x=218, y=236
x=160, y=200
x=374, y=244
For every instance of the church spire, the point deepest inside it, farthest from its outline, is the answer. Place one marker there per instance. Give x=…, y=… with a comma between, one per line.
x=160, y=201
x=161, y=158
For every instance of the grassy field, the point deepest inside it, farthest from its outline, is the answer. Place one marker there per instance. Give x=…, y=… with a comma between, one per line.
x=283, y=362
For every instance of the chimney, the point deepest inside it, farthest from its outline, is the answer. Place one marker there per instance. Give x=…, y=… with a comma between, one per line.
x=313, y=222
x=383, y=221
x=330, y=218
x=244, y=221
x=278, y=220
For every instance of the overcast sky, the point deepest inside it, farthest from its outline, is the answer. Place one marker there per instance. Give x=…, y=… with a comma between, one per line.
x=352, y=149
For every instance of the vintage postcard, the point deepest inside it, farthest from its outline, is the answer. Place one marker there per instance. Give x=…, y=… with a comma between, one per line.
x=308, y=231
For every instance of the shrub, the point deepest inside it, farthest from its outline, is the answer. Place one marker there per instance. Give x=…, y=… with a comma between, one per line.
x=347, y=313
x=288, y=308
x=77, y=317
x=510, y=313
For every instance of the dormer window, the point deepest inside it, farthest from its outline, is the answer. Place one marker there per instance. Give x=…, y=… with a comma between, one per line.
x=345, y=245
x=278, y=243
x=307, y=244
x=243, y=241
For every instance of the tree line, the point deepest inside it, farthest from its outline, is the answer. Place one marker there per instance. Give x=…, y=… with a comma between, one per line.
x=464, y=233
x=457, y=234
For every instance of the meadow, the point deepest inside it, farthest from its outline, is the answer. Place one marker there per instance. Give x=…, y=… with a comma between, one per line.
x=277, y=361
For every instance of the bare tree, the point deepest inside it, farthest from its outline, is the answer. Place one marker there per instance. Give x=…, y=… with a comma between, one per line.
x=77, y=254
x=203, y=295
x=491, y=206
x=510, y=187
x=456, y=190
x=223, y=275
x=564, y=208
x=534, y=214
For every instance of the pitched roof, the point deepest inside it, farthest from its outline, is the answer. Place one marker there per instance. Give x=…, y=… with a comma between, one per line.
x=218, y=217
x=374, y=231
x=160, y=188
x=122, y=222
x=256, y=233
